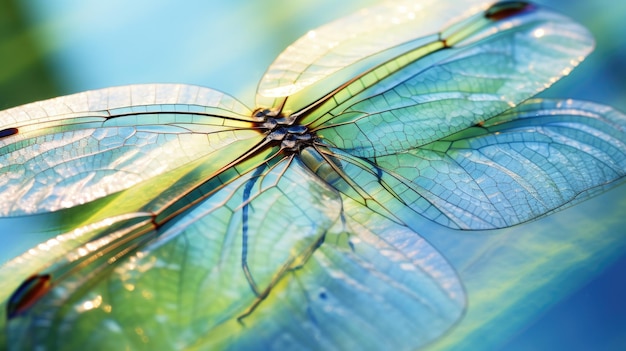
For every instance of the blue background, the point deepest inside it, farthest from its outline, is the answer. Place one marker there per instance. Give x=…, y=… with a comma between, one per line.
x=60, y=47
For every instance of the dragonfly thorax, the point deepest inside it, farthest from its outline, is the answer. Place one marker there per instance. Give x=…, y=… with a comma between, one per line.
x=280, y=128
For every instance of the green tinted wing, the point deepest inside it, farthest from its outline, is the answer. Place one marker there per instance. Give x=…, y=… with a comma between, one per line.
x=372, y=285
x=475, y=70
x=175, y=284
x=102, y=151
x=348, y=45
x=247, y=268
x=520, y=165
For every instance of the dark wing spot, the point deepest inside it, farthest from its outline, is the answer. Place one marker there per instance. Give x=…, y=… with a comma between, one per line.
x=507, y=9
x=27, y=294
x=8, y=132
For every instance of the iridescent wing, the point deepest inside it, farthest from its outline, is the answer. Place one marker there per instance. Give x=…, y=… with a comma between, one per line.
x=388, y=136
x=471, y=71
x=76, y=269
x=527, y=162
x=88, y=162
x=374, y=284
x=242, y=245
x=254, y=223
x=61, y=153
x=345, y=45
x=284, y=263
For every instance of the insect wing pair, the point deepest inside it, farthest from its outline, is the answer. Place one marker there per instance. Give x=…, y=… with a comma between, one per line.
x=180, y=218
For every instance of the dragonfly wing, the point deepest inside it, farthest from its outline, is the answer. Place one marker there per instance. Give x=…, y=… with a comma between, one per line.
x=344, y=42
x=209, y=266
x=43, y=256
x=372, y=285
x=477, y=69
x=523, y=164
x=65, y=154
x=520, y=165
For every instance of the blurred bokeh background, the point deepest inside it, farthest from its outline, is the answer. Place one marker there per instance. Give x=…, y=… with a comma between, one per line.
x=556, y=283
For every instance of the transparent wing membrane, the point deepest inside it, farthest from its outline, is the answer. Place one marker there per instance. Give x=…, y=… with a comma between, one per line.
x=521, y=165
x=333, y=47
x=178, y=218
x=518, y=166
x=192, y=272
x=187, y=287
x=372, y=285
x=76, y=149
x=436, y=90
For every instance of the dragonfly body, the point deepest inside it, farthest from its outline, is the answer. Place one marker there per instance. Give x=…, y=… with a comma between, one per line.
x=183, y=218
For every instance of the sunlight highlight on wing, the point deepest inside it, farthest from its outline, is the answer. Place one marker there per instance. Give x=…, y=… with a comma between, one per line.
x=344, y=42
x=178, y=218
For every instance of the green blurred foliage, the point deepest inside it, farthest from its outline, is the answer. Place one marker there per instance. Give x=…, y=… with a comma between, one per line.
x=24, y=71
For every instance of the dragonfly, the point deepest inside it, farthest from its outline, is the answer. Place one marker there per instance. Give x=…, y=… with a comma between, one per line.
x=179, y=218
